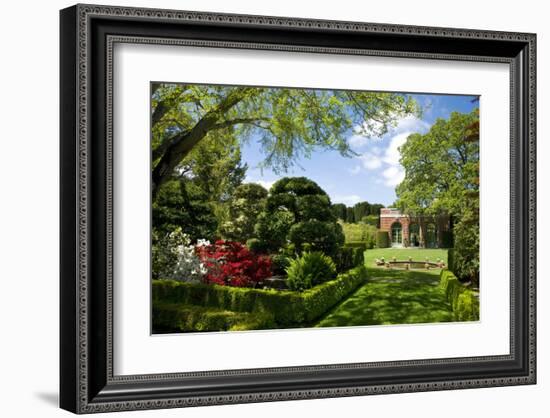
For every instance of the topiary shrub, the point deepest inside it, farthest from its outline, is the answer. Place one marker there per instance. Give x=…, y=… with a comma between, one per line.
x=297, y=210
x=308, y=270
x=382, y=239
x=314, y=235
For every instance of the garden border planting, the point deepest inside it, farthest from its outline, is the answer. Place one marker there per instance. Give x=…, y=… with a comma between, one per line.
x=287, y=307
x=191, y=318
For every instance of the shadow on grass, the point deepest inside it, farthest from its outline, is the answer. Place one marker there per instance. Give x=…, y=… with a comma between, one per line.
x=392, y=297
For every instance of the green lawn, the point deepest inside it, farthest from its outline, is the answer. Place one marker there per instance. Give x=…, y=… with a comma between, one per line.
x=394, y=296
x=403, y=254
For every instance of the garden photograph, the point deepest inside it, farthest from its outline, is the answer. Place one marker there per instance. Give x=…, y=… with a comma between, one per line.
x=279, y=208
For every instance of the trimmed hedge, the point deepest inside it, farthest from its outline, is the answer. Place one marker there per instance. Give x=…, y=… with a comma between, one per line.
x=344, y=258
x=382, y=239
x=186, y=318
x=287, y=307
x=464, y=302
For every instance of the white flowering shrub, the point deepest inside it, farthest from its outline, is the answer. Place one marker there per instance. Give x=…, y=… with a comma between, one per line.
x=175, y=258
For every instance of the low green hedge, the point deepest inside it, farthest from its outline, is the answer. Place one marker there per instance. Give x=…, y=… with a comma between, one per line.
x=170, y=317
x=287, y=307
x=464, y=302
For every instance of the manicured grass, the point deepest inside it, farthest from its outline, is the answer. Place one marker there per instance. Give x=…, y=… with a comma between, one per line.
x=403, y=254
x=394, y=296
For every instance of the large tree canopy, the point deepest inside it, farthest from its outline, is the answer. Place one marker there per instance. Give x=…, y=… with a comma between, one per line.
x=290, y=123
x=442, y=176
x=441, y=166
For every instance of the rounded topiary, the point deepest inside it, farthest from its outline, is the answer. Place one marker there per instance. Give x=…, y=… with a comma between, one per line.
x=298, y=211
x=320, y=236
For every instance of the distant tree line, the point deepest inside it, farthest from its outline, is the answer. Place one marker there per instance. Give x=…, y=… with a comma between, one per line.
x=360, y=212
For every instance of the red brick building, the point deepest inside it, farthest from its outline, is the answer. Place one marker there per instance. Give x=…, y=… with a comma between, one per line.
x=414, y=231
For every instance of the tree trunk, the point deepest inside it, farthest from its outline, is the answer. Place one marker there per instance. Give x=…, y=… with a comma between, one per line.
x=180, y=146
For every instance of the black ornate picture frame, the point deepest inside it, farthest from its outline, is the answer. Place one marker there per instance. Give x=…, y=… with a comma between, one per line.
x=87, y=36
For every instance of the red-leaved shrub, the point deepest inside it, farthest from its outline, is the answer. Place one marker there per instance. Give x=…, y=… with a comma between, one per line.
x=232, y=264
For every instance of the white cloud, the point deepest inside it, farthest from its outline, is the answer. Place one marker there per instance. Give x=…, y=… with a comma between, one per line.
x=393, y=175
x=348, y=200
x=410, y=124
x=370, y=161
x=266, y=184
x=358, y=141
x=363, y=136
x=385, y=154
x=392, y=154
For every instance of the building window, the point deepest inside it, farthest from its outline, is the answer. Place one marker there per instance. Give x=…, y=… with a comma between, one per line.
x=431, y=236
x=396, y=234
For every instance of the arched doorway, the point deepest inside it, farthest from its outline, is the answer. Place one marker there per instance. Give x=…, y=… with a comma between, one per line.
x=414, y=235
x=396, y=234
x=431, y=235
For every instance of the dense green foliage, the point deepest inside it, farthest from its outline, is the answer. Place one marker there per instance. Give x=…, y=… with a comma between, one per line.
x=364, y=212
x=183, y=204
x=246, y=203
x=287, y=307
x=308, y=270
x=382, y=239
x=298, y=211
x=279, y=263
x=350, y=256
x=450, y=259
x=466, y=245
x=464, y=302
x=170, y=317
x=360, y=233
x=343, y=259
x=183, y=115
x=195, y=197
x=442, y=176
x=373, y=220
x=358, y=256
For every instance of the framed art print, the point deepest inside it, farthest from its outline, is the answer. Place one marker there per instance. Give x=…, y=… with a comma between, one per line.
x=261, y=208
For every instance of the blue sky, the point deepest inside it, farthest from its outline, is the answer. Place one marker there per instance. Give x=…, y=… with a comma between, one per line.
x=374, y=173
